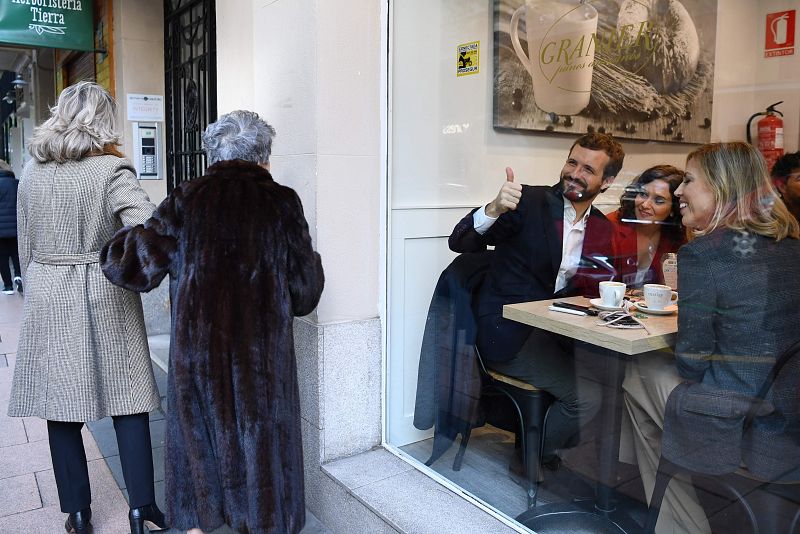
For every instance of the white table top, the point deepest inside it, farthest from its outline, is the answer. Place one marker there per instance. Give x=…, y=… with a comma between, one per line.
x=663, y=328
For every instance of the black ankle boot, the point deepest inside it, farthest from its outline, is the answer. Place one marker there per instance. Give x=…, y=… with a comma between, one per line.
x=79, y=522
x=149, y=515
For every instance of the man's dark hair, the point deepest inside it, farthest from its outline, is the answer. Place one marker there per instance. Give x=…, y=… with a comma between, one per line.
x=606, y=143
x=785, y=165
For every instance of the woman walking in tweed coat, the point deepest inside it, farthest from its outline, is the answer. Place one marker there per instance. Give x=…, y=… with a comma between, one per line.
x=241, y=265
x=83, y=351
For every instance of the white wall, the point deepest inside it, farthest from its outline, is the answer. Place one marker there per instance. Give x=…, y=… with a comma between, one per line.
x=747, y=82
x=312, y=71
x=235, y=88
x=139, y=68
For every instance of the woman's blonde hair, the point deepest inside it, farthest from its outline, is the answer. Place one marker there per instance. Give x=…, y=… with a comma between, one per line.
x=83, y=122
x=745, y=197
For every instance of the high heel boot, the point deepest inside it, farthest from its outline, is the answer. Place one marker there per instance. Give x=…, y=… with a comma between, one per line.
x=149, y=515
x=79, y=522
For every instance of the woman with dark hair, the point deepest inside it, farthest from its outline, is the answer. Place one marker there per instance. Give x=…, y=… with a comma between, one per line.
x=647, y=225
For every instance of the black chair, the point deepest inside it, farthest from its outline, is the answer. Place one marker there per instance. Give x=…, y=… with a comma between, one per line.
x=453, y=381
x=734, y=489
x=448, y=379
x=531, y=405
x=737, y=488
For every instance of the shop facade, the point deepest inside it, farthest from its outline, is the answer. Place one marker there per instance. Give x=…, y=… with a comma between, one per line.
x=393, y=122
x=389, y=144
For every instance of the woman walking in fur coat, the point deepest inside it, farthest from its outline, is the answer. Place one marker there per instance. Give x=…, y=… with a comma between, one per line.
x=241, y=265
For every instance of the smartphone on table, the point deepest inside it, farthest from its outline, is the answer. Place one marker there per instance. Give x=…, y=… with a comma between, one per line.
x=567, y=307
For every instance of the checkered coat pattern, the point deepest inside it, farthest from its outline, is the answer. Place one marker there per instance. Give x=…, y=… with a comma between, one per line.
x=83, y=352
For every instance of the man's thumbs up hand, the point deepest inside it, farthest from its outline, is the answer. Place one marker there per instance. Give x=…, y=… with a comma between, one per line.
x=508, y=197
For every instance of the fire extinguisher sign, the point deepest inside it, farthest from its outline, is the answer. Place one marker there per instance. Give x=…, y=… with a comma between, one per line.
x=780, y=34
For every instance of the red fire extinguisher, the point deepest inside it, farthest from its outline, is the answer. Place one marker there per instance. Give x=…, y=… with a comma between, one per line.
x=770, y=134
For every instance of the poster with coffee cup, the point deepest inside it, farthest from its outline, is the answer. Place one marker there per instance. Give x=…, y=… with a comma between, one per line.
x=638, y=69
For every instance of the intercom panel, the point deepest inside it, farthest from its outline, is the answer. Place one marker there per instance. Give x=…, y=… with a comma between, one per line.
x=147, y=148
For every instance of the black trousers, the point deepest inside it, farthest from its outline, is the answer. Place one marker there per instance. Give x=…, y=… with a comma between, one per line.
x=8, y=249
x=71, y=471
x=551, y=362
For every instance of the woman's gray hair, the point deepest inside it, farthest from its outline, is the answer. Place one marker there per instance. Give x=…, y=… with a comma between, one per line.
x=239, y=135
x=83, y=120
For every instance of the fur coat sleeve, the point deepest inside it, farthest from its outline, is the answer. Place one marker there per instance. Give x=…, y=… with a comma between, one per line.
x=138, y=258
x=305, y=267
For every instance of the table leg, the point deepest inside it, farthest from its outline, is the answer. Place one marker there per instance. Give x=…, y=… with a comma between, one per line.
x=604, y=517
x=611, y=423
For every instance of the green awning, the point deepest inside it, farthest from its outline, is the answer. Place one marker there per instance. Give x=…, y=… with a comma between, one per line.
x=48, y=23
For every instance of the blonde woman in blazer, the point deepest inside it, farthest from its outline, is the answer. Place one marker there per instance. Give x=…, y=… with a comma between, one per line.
x=83, y=352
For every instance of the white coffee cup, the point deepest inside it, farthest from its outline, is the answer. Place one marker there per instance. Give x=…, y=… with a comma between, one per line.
x=658, y=297
x=562, y=81
x=612, y=293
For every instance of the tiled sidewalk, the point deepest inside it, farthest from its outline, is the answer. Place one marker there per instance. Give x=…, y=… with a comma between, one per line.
x=103, y=433
x=28, y=496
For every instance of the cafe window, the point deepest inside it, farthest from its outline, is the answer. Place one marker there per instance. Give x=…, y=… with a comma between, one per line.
x=484, y=93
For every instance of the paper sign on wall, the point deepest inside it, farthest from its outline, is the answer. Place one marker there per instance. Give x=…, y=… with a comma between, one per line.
x=780, y=34
x=148, y=108
x=469, y=59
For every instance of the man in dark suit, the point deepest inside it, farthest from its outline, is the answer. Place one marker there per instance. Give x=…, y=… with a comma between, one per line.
x=549, y=242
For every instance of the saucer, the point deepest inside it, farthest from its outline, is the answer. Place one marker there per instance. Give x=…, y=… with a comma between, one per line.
x=668, y=310
x=598, y=303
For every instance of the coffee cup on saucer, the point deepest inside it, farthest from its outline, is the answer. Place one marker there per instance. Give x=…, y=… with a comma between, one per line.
x=658, y=297
x=611, y=294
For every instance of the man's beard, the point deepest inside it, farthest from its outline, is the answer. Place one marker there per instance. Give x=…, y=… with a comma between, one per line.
x=577, y=190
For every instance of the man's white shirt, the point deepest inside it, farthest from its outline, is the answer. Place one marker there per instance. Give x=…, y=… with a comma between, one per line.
x=571, y=244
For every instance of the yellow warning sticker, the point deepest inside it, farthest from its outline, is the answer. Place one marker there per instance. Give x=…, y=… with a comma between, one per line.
x=469, y=59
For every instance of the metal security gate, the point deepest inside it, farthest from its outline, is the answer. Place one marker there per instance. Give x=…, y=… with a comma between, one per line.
x=190, y=60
